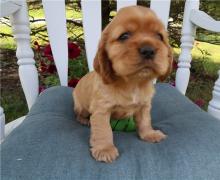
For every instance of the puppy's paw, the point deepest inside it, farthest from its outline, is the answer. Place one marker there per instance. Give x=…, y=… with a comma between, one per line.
x=106, y=154
x=154, y=136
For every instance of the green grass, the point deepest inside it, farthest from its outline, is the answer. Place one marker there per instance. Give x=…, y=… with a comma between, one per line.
x=9, y=43
x=208, y=54
x=14, y=104
x=211, y=49
x=39, y=13
x=6, y=43
x=206, y=36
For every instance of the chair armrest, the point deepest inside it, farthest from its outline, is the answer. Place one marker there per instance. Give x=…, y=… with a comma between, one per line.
x=203, y=20
x=9, y=7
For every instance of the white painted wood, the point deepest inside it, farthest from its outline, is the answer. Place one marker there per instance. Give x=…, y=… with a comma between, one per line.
x=56, y=27
x=203, y=20
x=124, y=3
x=2, y=124
x=27, y=70
x=162, y=9
x=8, y=7
x=91, y=11
x=214, y=104
x=187, y=40
x=9, y=127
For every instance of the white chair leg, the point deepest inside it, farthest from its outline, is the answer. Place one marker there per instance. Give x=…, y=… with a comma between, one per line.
x=2, y=124
x=214, y=104
x=187, y=40
x=27, y=70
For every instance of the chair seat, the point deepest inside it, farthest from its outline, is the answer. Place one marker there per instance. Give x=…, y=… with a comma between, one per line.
x=50, y=144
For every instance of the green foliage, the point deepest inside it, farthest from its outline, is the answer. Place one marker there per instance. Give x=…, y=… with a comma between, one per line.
x=78, y=67
x=51, y=80
x=200, y=89
x=14, y=104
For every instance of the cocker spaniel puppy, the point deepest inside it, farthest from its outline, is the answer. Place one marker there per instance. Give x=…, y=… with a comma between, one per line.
x=133, y=50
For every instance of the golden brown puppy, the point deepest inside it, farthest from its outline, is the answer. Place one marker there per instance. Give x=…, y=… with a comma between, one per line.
x=133, y=50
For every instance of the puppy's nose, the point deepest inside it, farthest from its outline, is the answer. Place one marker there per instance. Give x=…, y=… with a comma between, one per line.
x=147, y=52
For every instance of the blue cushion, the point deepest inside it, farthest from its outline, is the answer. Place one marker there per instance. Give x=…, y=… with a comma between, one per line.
x=50, y=144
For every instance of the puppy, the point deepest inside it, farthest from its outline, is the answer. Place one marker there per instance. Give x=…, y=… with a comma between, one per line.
x=132, y=52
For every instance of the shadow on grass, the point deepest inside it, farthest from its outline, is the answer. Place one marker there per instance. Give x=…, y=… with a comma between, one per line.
x=14, y=104
x=204, y=73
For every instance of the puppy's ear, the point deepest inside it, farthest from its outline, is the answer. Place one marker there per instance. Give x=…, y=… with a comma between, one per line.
x=170, y=61
x=102, y=63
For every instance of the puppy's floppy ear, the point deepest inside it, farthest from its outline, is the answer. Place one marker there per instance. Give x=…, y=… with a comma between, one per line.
x=102, y=63
x=170, y=61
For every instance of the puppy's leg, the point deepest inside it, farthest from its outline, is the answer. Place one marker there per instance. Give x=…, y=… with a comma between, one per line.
x=101, y=140
x=144, y=128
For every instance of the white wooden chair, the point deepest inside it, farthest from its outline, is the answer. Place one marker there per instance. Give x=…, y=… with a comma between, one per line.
x=193, y=17
x=55, y=18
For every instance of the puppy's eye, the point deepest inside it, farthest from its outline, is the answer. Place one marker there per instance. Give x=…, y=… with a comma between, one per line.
x=124, y=36
x=160, y=36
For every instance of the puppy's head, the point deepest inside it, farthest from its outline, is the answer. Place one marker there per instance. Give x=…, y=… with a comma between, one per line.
x=134, y=44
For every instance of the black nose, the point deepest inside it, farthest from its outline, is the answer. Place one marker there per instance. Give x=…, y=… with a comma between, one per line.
x=147, y=52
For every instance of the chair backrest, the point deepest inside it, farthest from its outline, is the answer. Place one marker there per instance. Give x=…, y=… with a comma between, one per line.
x=57, y=31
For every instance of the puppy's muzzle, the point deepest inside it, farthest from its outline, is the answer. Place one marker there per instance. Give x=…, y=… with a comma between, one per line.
x=147, y=52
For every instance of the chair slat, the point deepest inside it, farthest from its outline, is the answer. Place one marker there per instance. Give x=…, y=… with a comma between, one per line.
x=187, y=40
x=124, y=3
x=27, y=71
x=2, y=124
x=91, y=11
x=162, y=9
x=56, y=27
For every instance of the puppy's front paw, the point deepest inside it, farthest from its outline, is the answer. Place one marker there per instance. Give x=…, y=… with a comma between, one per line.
x=154, y=136
x=106, y=154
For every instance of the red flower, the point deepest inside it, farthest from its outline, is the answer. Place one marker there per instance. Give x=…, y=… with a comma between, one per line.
x=41, y=89
x=175, y=65
x=48, y=52
x=37, y=45
x=51, y=69
x=42, y=67
x=73, y=50
x=200, y=102
x=73, y=82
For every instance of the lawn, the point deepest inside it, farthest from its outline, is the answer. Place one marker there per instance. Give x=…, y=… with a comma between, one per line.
x=208, y=54
x=202, y=49
x=9, y=43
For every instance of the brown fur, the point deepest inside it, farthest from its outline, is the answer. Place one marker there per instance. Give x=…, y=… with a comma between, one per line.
x=121, y=85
